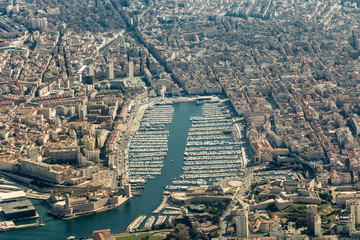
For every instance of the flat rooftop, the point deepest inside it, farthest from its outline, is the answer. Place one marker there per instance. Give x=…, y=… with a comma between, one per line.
x=17, y=207
x=4, y=197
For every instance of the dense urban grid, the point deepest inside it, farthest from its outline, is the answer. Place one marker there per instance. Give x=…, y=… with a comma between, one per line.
x=86, y=93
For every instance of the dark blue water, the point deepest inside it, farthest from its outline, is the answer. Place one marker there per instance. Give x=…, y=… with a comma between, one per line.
x=118, y=219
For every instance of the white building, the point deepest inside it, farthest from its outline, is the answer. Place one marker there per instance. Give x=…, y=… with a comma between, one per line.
x=317, y=225
x=355, y=210
x=242, y=227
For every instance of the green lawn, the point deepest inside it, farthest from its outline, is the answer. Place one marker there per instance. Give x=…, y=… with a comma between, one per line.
x=298, y=211
x=231, y=190
x=294, y=208
x=139, y=237
x=295, y=213
x=296, y=167
x=328, y=215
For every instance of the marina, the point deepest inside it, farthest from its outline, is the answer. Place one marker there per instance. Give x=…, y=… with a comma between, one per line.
x=149, y=145
x=161, y=219
x=211, y=153
x=149, y=222
x=149, y=190
x=136, y=223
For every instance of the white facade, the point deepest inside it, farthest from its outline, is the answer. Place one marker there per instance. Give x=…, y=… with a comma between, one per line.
x=242, y=228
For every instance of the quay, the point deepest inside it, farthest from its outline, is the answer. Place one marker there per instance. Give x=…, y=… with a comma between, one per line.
x=136, y=223
x=9, y=225
x=162, y=204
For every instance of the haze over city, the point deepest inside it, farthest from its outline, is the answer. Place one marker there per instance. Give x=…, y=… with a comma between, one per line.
x=187, y=119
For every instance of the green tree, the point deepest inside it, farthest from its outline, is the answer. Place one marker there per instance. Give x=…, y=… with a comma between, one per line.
x=326, y=196
x=181, y=232
x=145, y=237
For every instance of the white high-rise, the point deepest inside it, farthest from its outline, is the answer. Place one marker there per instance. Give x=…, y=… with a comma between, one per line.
x=317, y=225
x=110, y=70
x=242, y=228
x=131, y=70
x=42, y=23
x=355, y=210
x=310, y=217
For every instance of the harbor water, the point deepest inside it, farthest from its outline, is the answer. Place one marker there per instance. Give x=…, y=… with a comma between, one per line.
x=118, y=219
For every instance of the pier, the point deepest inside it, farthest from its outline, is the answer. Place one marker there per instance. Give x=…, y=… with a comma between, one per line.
x=135, y=224
x=148, y=147
x=210, y=152
x=162, y=205
x=149, y=222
